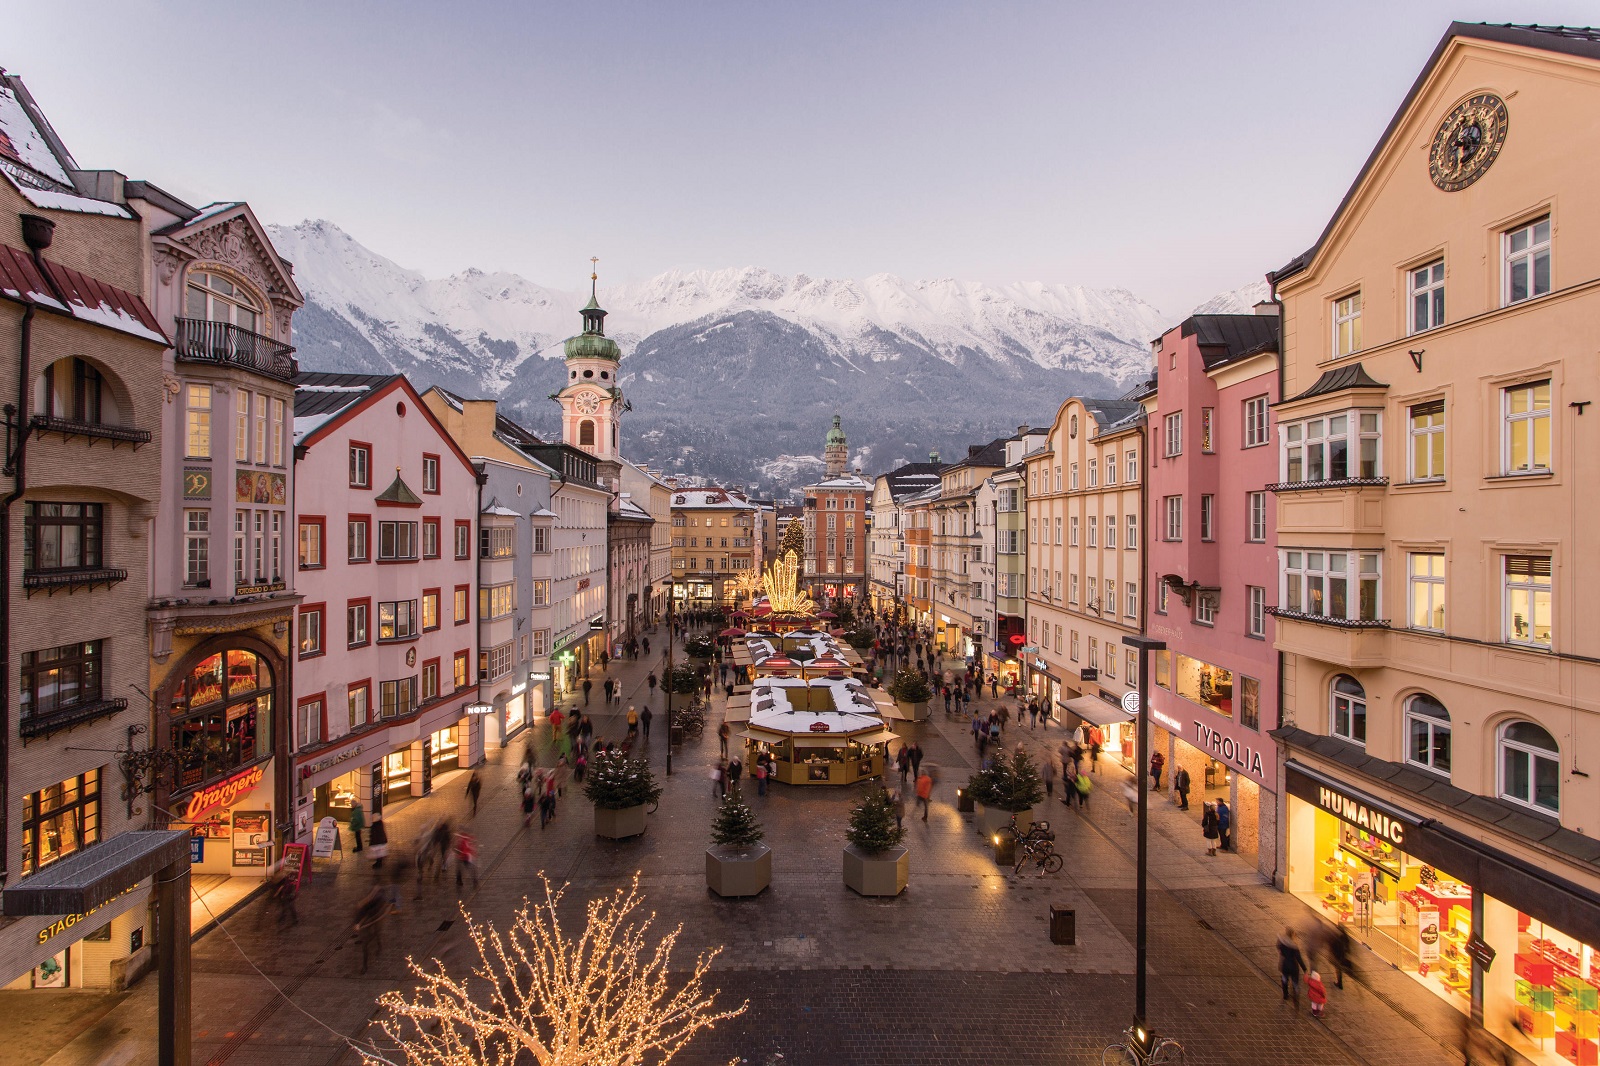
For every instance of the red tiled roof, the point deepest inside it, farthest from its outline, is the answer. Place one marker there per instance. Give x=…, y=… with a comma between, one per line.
x=87, y=299
x=20, y=279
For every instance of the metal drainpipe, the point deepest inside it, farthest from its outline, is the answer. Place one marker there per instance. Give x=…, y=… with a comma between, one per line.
x=1283, y=828
x=38, y=234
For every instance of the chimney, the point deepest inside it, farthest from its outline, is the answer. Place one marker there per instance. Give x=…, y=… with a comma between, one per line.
x=1266, y=307
x=973, y=449
x=1022, y=430
x=37, y=232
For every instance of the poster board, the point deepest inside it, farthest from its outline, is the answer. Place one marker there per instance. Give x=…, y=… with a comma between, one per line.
x=1427, y=936
x=252, y=837
x=294, y=862
x=327, y=840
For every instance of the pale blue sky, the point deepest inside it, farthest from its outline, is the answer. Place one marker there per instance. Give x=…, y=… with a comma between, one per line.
x=1172, y=148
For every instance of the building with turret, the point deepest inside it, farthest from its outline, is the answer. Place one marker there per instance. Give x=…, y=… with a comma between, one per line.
x=836, y=526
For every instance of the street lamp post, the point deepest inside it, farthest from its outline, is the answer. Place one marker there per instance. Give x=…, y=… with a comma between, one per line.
x=666, y=681
x=1146, y=647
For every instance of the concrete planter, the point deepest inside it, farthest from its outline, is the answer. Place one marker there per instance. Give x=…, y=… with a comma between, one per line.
x=619, y=824
x=992, y=820
x=883, y=874
x=912, y=712
x=739, y=871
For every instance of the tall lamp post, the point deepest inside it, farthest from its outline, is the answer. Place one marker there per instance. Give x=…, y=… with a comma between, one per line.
x=667, y=680
x=1146, y=647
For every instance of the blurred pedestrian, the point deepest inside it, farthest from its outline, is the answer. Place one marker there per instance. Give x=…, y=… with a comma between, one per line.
x=1290, y=964
x=644, y=720
x=1208, y=826
x=925, y=793
x=474, y=789
x=378, y=840
x=466, y=853
x=1316, y=993
x=588, y=686
x=1224, y=825
x=368, y=925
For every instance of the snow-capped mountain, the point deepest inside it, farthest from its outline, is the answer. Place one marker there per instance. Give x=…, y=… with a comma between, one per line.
x=1240, y=301
x=708, y=353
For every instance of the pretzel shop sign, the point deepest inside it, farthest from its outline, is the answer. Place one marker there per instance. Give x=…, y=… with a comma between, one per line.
x=223, y=793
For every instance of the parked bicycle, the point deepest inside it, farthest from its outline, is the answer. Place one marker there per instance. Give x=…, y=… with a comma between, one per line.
x=1162, y=1050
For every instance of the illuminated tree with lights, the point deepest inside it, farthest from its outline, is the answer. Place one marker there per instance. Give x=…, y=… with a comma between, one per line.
x=603, y=999
x=794, y=542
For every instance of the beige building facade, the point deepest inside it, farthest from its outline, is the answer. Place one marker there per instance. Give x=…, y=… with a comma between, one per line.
x=1083, y=529
x=1435, y=447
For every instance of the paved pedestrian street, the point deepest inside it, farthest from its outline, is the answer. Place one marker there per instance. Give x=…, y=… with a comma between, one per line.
x=960, y=969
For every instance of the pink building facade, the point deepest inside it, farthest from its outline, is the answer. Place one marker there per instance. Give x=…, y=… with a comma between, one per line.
x=386, y=661
x=1212, y=566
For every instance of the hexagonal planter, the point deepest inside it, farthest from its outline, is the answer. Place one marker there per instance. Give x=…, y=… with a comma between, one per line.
x=739, y=871
x=883, y=874
x=912, y=712
x=619, y=824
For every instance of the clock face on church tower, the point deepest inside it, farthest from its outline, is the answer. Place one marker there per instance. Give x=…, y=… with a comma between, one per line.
x=587, y=403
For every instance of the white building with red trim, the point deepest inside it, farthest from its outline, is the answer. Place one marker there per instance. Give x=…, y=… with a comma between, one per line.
x=385, y=646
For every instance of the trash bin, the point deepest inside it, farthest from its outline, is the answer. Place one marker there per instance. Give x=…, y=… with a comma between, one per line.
x=1005, y=849
x=963, y=801
x=1063, y=925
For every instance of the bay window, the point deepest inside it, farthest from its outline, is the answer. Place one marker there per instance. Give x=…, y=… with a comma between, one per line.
x=1339, y=586
x=1332, y=448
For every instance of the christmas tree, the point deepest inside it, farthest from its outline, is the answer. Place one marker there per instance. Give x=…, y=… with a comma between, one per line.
x=735, y=825
x=616, y=782
x=1017, y=784
x=872, y=825
x=794, y=540
x=909, y=686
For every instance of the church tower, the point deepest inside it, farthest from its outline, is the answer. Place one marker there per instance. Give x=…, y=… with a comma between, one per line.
x=836, y=451
x=591, y=401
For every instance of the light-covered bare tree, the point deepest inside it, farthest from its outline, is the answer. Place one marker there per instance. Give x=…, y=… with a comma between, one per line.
x=603, y=999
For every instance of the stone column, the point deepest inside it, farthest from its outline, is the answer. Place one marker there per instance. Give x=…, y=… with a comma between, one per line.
x=1245, y=799
x=469, y=732
x=1192, y=759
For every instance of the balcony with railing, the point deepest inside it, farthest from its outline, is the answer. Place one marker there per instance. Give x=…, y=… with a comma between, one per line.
x=203, y=341
x=89, y=431
x=42, y=725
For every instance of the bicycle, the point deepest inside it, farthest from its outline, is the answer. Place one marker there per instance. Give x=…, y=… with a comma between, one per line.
x=1043, y=855
x=1164, y=1051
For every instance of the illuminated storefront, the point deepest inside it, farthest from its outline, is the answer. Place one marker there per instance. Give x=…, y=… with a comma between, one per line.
x=1474, y=926
x=220, y=728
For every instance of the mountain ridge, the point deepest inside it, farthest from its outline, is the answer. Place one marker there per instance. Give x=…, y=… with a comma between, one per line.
x=730, y=370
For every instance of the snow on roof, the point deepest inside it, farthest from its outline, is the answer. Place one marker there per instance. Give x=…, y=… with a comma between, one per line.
x=333, y=388
x=21, y=140
x=502, y=512
x=543, y=512
x=771, y=709
x=307, y=424
x=65, y=201
x=117, y=318
x=718, y=498
x=212, y=209
x=88, y=299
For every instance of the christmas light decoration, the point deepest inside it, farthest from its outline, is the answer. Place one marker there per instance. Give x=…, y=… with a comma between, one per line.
x=604, y=999
x=781, y=582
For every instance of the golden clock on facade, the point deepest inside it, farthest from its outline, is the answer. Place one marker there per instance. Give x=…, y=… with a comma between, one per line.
x=587, y=404
x=1467, y=143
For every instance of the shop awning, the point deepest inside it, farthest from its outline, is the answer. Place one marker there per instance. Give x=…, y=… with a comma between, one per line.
x=839, y=740
x=81, y=882
x=1095, y=711
x=762, y=735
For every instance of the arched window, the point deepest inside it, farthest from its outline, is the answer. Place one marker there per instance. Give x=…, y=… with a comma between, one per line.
x=221, y=716
x=1427, y=733
x=1348, y=702
x=214, y=298
x=1530, y=767
x=586, y=434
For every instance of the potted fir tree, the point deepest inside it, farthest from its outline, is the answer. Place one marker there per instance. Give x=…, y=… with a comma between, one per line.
x=620, y=788
x=911, y=693
x=1011, y=790
x=875, y=864
x=700, y=647
x=737, y=863
x=980, y=793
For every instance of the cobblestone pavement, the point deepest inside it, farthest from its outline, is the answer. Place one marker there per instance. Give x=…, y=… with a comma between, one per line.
x=959, y=969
